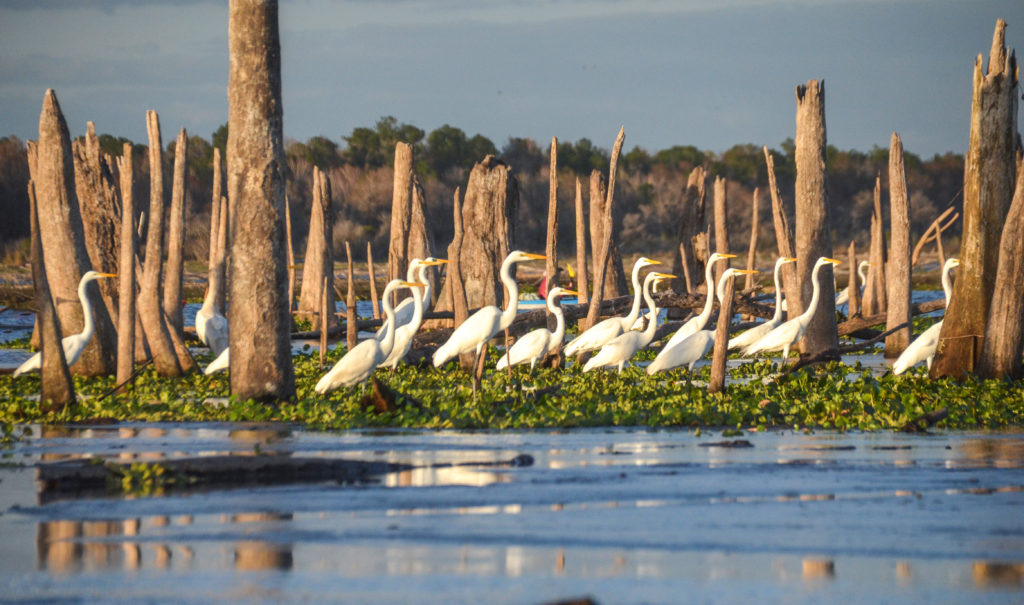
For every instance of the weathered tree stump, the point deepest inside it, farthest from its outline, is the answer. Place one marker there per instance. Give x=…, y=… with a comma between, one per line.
x=581, y=246
x=686, y=265
x=875, y=291
x=812, y=220
x=988, y=190
x=615, y=283
x=898, y=271
x=755, y=206
x=319, y=259
x=126, y=270
x=261, y=363
x=601, y=232
x=421, y=241
x=401, y=217
x=351, y=333
x=853, y=306
x=783, y=235
x=176, y=238
x=721, y=228
x=720, y=351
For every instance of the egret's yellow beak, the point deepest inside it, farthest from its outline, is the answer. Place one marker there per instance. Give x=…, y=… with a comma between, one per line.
x=107, y=275
x=789, y=259
x=573, y=292
x=413, y=284
x=665, y=276
x=535, y=256
x=725, y=255
x=747, y=271
x=834, y=261
x=435, y=262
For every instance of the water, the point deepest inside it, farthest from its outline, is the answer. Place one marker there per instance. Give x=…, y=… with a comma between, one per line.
x=620, y=515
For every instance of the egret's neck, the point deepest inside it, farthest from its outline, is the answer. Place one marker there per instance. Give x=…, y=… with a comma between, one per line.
x=417, y=308
x=88, y=325
x=947, y=286
x=510, y=311
x=389, y=312
x=815, y=292
x=860, y=271
x=425, y=296
x=209, y=301
x=556, y=310
x=634, y=311
x=778, y=294
x=652, y=316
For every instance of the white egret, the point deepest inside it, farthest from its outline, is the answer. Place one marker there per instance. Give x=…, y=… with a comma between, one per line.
x=757, y=332
x=786, y=335
x=358, y=364
x=537, y=345
x=622, y=348
x=923, y=347
x=219, y=363
x=689, y=350
x=405, y=332
x=211, y=325
x=844, y=296
x=76, y=343
x=404, y=311
x=697, y=323
x=481, y=326
x=604, y=331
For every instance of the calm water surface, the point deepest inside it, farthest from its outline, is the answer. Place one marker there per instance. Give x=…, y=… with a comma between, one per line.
x=622, y=516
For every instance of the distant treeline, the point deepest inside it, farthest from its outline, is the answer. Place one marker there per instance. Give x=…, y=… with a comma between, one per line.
x=649, y=186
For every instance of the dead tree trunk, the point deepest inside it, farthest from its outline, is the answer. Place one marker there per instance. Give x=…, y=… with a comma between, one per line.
x=215, y=208
x=176, y=238
x=420, y=242
x=455, y=288
x=581, y=246
x=401, y=216
x=686, y=264
x=875, y=299
x=934, y=231
x=126, y=295
x=783, y=237
x=898, y=271
x=98, y=203
x=62, y=237
x=1004, y=335
x=551, y=247
x=351, y=330
x=988, y=190
x=615, y=278
x=721, y=228
x=374, y=303
x=290, y=249
x=601, y=239
x=812, y=220
x=717, y=382
x=319, y=259
x=755, y=207
x=853, y=307
x=261, y=364
x=158, y=337
x=56, y=388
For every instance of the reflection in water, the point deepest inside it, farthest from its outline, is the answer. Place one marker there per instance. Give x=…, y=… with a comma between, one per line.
x=994, y=453
x=997, y=574
x=817, y=569
x=256, y=555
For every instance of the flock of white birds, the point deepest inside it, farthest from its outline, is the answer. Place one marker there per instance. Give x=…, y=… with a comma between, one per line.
x=613, y=342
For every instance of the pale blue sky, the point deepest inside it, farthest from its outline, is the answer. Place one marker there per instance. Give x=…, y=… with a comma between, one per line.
x=709, y=73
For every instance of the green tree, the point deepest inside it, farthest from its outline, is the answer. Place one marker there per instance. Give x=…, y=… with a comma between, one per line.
x=220, y=139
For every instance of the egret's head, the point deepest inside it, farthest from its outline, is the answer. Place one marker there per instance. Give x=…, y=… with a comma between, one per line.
x=91, y=275
x=433, y=262
x=824, y=260
x=556, y=293
x=643, y=261
x=953, y=262
x=784, y=259
x=519, y=256
x=717, y=256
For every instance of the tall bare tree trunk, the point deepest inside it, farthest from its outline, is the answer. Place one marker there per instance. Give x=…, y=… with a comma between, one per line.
x=721, y=228
x=581, y=246
x=853, y=307
x=615, y=279
x=217, y=276
x=62, y=238
x=898, y=271
x=56, y=388
x=686, y=264
x=215, y=207
x=783, y=237
x=176, y=237
x=158, y=337
x=420, y=242
x=812, y=220
x=454, y=286
x=351, y=330
x=126, y=295
x=602, y=243
x=319, y=259
x=551, y=247
x=401, y=216
x=875, y=299
x=755, y=207
x=717, y=382
x=1004, y=335
x=371, y=273
x=988, y=190
x=290, y=253
x=98, y=203
x=261, y=363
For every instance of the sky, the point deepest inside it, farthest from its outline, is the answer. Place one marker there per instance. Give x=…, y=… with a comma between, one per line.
x=708, y=73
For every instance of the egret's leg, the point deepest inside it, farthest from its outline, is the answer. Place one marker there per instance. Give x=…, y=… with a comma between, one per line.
x=478, y=367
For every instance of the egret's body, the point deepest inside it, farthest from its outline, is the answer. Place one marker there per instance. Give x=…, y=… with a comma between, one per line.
x=622, y=348
x=211, y=325
x=689, y=350
x=924, y=346
x=695, y=324
x=757, y=332
x=538, y=344
x=406, y=310
x=481, y=326
x=219, y=363
x=604, y=331
x=73, y=345
x=358, y=364
x=404, y=333
x=844, y=297
x=787, y=334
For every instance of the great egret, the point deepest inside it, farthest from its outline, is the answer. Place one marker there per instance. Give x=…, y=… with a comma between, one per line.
x=211, y=325
x=844, y=296
x=622, y=348
x=404, y=311
x=757, y=332
x=604, y=331
x=697, y=323
x=693, y=347
x=405, y=332
x=537, y=345
x=74, y=344
x=219, y=363
x=481, y=326
x=786, y=335
x=360, y=361
x=923, y=347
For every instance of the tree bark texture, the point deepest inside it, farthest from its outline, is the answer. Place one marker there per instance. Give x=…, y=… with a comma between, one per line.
x=898, y=270
x=126, y=269
x=401, y=216
x=755, y=206
x=454, y=286
x=319, y=259
x=581, y=246
x=290, y=249
x=988, y=190
x=374, y=303
x=62, y=238
x=875, y=290
x=217, y=277
x=721, y=228
x=716, y=384
x=812, y=220
x=420, y=241
x=601, y=239
x=686, y=265
x=934, y=231
x=176, y=238
x=551, y=247
x=351, y=330
x=615, y=283
x=261, y=364
x=853, y=307
x=56, y=388
x=783, y=235
x=1004, y=335
x=98, y=204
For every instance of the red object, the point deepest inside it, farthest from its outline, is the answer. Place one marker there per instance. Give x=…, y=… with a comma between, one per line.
x=543, y=288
